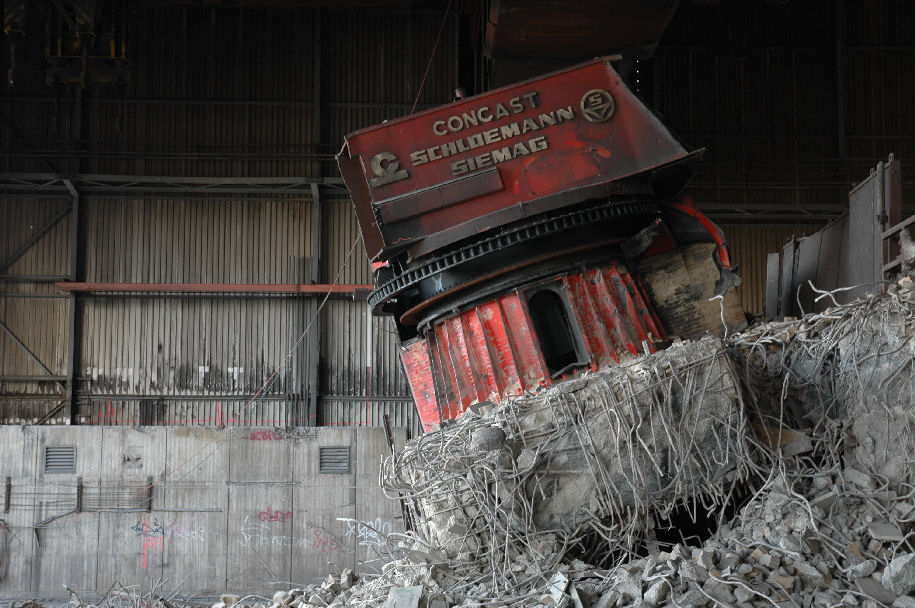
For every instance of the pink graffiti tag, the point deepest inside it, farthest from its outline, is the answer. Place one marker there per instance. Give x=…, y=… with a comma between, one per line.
x=149, y=540
x=324, y=541
x=277, y=515
x=263, y=436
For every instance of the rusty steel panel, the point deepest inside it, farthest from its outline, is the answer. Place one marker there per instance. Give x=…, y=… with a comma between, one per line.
x=430, y=179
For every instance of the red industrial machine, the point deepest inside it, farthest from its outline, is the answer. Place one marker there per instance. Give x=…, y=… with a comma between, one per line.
x=532, y=231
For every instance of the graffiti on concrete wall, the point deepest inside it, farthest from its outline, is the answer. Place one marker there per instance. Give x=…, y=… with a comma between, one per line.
x=324, y=541
x=262, y=436
x=152, y=535
x=373, y=535
x=189, y=529
x=270, y=514
x=254, y=533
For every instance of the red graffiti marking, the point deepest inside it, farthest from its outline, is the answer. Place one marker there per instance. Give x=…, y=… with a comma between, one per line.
x=149, y=540
x=324, y=541
x=263, y=436
x=269, y=515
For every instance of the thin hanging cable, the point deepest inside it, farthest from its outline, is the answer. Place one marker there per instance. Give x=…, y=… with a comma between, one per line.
x=431, y=57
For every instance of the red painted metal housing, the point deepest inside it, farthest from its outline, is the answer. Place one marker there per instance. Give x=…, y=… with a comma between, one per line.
x=425, y=181
x=491, y=350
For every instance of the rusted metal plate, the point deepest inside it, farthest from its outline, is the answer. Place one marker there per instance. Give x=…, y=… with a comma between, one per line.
x=425, y=181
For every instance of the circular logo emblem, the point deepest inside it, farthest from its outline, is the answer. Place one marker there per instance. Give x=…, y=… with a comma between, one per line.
x=597, y=105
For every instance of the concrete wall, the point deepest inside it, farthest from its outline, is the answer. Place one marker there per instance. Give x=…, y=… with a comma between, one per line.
x=239, y=509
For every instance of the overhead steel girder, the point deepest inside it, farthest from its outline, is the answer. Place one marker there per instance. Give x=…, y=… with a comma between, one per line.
x=98, y=183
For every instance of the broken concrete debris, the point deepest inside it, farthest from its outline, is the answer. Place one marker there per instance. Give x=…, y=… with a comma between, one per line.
x=794, y=439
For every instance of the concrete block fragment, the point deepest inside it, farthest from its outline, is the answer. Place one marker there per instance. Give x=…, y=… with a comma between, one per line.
x=783, y=580
x=904, y=601
x=881, y=530
x=874, y=589
x=899, y=574
x=280, y=597
x=704, y=557
x=608, y=599
x=807, y=571
x=347, y=578
x=656, y=593
x=801, y=445
x=404, y=597
x=228, y=599
x=865, y=568
x=859, y=478
x=825, y=500
x=558, y=586
x=317, y=599
x=722, y=592
x=728, y=560
x=742, y=594
x=788, y=541
x=693, y=598
x=692, y=571
x=629, y=584
x=821, y=482
x=487, y=439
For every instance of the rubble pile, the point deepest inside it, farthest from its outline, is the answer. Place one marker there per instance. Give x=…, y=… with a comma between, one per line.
x=793, y=437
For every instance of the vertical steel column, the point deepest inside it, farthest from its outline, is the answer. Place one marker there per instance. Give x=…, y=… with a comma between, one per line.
x=70, y=411
x=314, y=340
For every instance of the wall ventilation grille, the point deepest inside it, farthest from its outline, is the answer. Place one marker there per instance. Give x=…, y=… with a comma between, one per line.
x=334, y=459
x=60, y=459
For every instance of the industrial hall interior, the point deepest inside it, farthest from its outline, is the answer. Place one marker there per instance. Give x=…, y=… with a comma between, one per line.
x=457, y=304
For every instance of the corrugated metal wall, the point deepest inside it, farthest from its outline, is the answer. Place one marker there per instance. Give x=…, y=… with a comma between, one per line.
x=226, y=93
x=33, y=314
x=362, y=378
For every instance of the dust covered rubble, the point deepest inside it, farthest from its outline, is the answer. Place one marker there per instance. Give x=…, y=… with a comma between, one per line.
x=818, y=443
